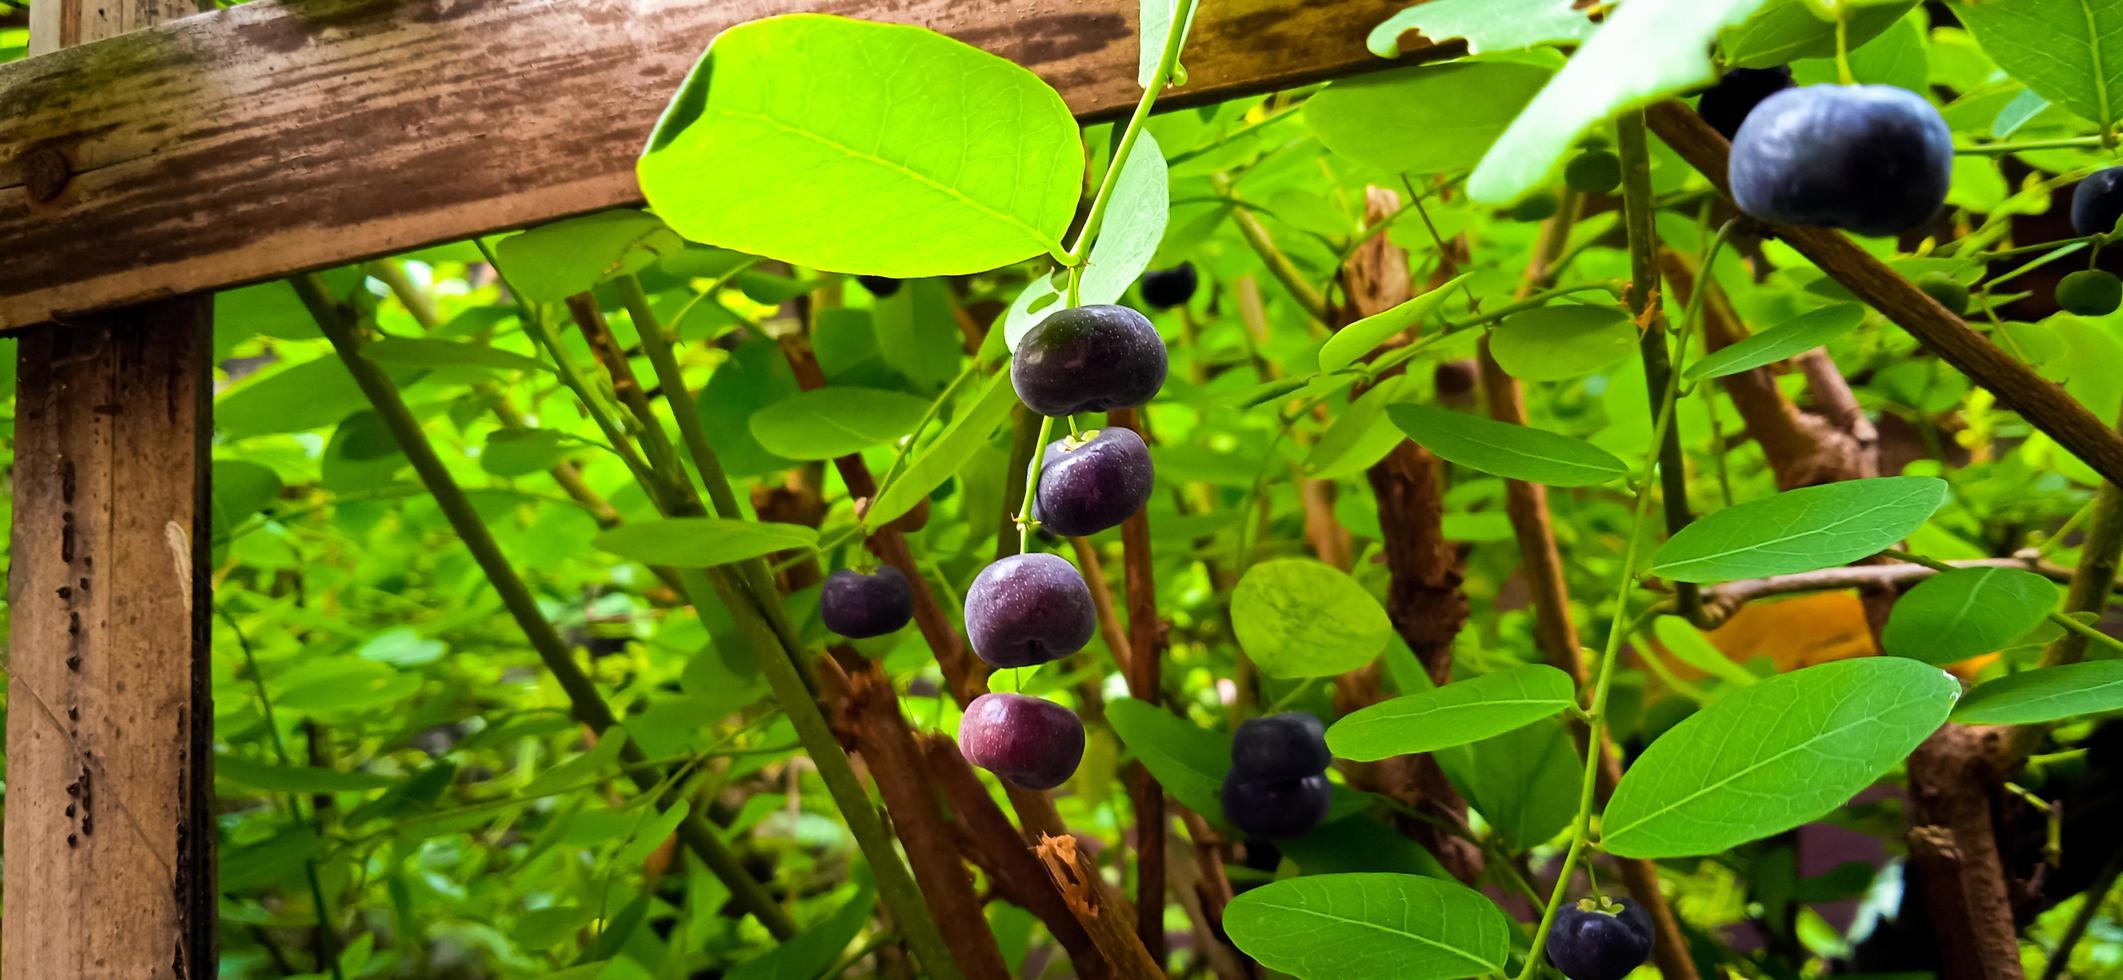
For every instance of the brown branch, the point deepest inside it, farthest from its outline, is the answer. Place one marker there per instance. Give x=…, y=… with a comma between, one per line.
x=1724, y=600
x=1953, y=853
x=2043, y=403
x=1143, y=670
x=1102, y=911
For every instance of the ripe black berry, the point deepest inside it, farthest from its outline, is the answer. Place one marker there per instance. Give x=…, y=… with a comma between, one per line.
x=1086, y=487
x=858, y=605
x=1873, y=159
x=879, y=286
x=1088, y=359
x=1029, y=609
x=1163, y=288
x=1593, y=941
x=1032, y=742
x=2090, y=292
x=1285, y=746
x=2097, y=202
x=1726, y=105
x=1277, y=809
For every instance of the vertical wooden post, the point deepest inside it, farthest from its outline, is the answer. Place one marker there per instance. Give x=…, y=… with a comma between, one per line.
x=109, y=839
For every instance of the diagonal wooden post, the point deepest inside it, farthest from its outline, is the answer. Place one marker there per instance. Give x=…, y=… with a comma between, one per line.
x=109, y=840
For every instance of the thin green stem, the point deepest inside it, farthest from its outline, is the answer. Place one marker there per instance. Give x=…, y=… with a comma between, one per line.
x=1998, y=149
x=906, y=449
x=1843, y=72
x=1025, y=521
x=1167, y=61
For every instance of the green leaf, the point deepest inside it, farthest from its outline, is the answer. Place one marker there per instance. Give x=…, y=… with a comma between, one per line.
x=2068, y=51
x=402, y=646
x=917, y=335
x=435, y=352
x=1557, y=343
x=1363, y=926
x=552, y=262
x=700, y=542
x=294, y=779
x=836, y=421
x=1689, y=646
x=1645, y=50
x=602, y=758
x=812, y=952
x=1188, y=762
x=1784, y=31
x=1791, y=338
x=1486, y=25
x=1524, y=782
x=1155, y=27
x=1955, y=615
x=1426, y=119
x=1301, y=618
x=306, y=396
x=1800, y=530
x=241, y=488
x=948, y=454
x=1351, y=343
x=866, y=148
x=1456, y=714
x=520, y=452
x=651, y=834
x=755, y=376
x=2045, y=695
x=1360, y=434
x=1514, y=452
x=1774, y=756
x=1127, y=242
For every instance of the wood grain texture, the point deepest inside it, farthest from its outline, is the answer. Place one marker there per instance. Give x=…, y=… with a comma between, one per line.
x=277, y=136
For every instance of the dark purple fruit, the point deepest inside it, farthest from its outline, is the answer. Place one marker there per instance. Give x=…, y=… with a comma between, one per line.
x=1726, y=105
x=879, y=286
x=2097, y=202
x=1089, y=359
x=1593, y=172
x=1291, y=745
x=1874, y=159
x=858, y=605
x=1086, y=487
x=1276, y=809
x=1033, y=743
x=1455, y=382
x=2090, y=292
x=1164, y=288
x=1600, y=942
x=1029, y=609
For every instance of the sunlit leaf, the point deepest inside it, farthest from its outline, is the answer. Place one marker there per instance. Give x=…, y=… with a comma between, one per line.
x=1800, y=530
x=1455, y=714
x=1301, y=618
x=1960, y=614
x=1364, y=926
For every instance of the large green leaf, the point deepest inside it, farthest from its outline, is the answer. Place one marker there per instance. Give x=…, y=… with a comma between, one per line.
x=1351, y=343
x=1800, y=530
x=1689, y=646
x=552, y=262
x=755, y=376
x=812, y=952
x=1791, y=338
x=698, y=542
x=1425, y=119
x=1486, y=25
x=1458, y=713
x=1645, y=50
x=1784, y=31
x=1773, y=756
x=2045, y=695
x=1188, y=762
x=1956, y=615
x=1364, y=926
x=862, y=147
x=1135, y=223
x=1515, y=452
x=1557, y=343
x=1524, y=782
x=948, y=454
x=2068, y=51
x=835, y=421
x=1301, y=618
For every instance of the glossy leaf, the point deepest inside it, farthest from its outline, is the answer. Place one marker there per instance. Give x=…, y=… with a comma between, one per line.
x=1524, y=782
x=1956, y=615
x=1784, y=31
x=1557, y=343
x=1349, y=344
x=552, y=262
x=862, y=147
x=1455, y=714
x=1425, y=119
x=700, y=542
x=1301, y=618
x=1769, y=758
x=835, y=421
x=2068, y=51
x=1800, y=530
x=1644, y=50
x=1486, y=25
x=1188, y=762
x=2046, y=694
x=1791, y=338
x=1364, y=926
x=1689, y=646
x=1515, y=452
x=1135, y=223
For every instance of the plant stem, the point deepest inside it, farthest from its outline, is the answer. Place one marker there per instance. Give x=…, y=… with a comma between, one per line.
x=1025, y=521
x=1272, y=258
x=1167, y=60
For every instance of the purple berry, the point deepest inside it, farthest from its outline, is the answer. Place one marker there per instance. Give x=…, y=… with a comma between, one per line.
x=1291, y=745
x=1600, y=943
x=1874, y=159
x=879, y=286
x=1276, y=809
x=1029, y=609
x=1726, y=105
x=1164, y=288
x=1033, y=743
x=1088, y=359
x=857, y=605
x=2097, y=202
x=1087, y=487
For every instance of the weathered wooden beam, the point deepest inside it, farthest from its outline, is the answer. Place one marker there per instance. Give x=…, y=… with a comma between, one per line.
x=282, y=135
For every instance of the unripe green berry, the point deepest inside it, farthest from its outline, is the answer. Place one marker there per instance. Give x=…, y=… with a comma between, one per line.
x=1949, y=293
x=2090, y=292
x=1593, y=172
x=1537, y=206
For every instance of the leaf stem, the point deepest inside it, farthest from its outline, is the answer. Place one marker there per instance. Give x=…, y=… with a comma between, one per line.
x=1025, y=521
